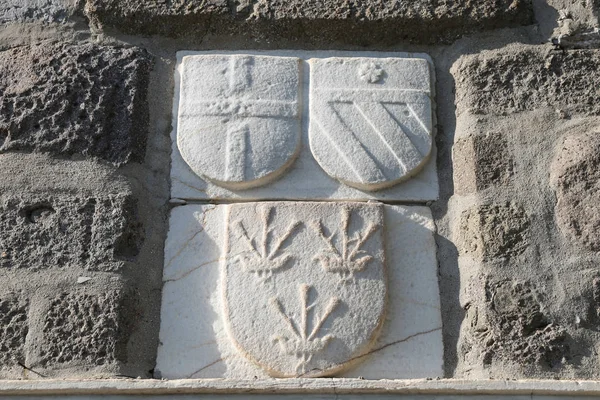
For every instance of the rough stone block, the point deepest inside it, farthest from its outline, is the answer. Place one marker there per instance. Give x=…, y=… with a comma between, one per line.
x=36, y=10
x=345, y=21
x=494, y=231
x=63, y=231
x=71, y=100
x=576, y=179
x=298, y=289
x=509, y=326
x=84, y=328
x=382, y=152
x=577, y=24
x=501, y=82
x=481, y=162
x=13, y=329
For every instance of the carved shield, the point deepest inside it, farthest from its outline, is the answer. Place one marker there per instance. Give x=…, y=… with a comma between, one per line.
x=238, y=123
x=370, y=119
x=304, y=284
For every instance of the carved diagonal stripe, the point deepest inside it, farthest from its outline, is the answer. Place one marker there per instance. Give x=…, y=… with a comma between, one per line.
x=349, y=148
x=365, y=131
x=391, y=134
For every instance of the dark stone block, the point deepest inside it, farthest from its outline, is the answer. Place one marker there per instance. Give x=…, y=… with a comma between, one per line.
x=96, y=233
x=494, y=231
x=576, y=178
x=481, y=162
x=13, y=329
x=85, y=328
x=67, y=100
x=424, y=21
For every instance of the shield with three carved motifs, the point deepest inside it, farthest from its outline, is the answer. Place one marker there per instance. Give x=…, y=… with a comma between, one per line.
x=238, y=121
x=304, y=284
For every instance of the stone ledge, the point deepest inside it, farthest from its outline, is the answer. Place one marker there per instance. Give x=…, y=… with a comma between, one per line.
x=295, y=386
x=353, y=22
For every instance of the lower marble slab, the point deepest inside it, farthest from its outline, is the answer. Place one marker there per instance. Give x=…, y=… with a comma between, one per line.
x=282, y=289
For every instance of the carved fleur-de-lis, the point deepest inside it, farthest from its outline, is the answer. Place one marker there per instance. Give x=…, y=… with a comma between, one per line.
x=263, y=256
x=347, y=258
x=304, y=343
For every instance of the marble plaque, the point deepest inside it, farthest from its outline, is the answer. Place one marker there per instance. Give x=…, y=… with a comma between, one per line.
x=298, y=125
x=370, y=119
x=239, y=117
x=304, y=284
x=300, y=289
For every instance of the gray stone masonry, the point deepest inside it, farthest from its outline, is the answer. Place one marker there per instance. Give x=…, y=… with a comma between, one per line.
x=525, y=162
x=86, y=104
x=353, y=22
x=68, y=99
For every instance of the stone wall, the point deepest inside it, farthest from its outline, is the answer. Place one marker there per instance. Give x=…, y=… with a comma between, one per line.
x=86, y=100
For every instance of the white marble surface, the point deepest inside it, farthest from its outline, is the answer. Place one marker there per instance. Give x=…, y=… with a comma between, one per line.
x=238, y=124
x=304, y=284
x=370, y=120
x=305, y=179
x=305, y=388
x=195, y=342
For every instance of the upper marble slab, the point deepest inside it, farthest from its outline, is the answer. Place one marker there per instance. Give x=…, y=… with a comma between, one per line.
x=297, y=125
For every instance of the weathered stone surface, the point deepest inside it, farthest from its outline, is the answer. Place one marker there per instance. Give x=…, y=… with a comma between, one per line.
x=510, y=326
x=494, y=230
x=500, y=82
x=197, y=328
x=13, y=329
x=481, y=162
x=577, y=24
x=339, y=20
x=36, y=10
x=305, y=178
x=371, y=120
x=71, y=100
x=576, y=178
x=239, y=117
x=82, y=328
x=96, y=233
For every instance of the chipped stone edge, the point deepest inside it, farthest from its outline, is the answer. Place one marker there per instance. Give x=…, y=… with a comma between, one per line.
x=295, y=386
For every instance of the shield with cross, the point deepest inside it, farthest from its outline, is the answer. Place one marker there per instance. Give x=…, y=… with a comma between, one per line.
x=238, y=122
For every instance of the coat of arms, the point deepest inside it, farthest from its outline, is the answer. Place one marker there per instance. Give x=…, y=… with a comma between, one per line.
x=370, y=120
x=304, y=284
x=238, y=121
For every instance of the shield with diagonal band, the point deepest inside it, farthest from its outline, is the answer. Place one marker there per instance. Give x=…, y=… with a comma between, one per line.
x=238, y=120
x=304, y=284
x=370, y=119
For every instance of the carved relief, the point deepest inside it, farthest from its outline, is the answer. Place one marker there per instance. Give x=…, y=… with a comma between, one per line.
x=304, y=342
x=370, y=121
x=370, y=72
x=306, y=315
x=229, y=109
x=344, y=255
x=263, y=256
